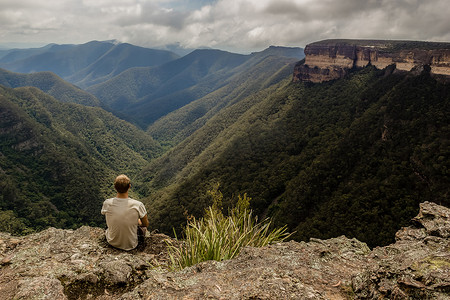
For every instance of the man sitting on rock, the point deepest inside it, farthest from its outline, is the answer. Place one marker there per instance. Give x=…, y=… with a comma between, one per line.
x=126, y=218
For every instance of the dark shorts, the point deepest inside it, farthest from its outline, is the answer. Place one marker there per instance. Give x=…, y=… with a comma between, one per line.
x=141, y=234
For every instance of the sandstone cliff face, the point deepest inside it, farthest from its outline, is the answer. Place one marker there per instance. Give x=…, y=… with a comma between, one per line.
x=65, y=264
x=332, y=59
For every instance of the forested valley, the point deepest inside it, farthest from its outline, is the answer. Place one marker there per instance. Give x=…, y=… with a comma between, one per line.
x=352, y=156
x=57, y=160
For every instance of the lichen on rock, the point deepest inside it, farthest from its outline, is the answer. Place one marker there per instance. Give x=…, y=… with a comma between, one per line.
x=79, y=264
x=416, y=266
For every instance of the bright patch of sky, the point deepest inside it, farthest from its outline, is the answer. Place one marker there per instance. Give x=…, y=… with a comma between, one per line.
x=190, y=4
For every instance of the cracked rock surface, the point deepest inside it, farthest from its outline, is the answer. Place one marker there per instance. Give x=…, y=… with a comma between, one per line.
x=79, y=264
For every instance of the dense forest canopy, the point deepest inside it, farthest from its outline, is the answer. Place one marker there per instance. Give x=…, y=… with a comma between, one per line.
x=58, y=160
x=354, y=156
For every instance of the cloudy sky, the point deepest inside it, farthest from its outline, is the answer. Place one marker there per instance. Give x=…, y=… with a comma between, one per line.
x=234, y=25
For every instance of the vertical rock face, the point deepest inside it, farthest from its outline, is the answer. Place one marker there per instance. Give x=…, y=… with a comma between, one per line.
x=332, y=59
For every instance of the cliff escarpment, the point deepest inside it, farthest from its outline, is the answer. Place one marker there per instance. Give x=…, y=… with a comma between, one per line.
x=332, y=59
x=78, y=264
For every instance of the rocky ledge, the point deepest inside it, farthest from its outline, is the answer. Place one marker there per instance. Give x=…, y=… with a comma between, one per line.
x=332, y=59
x=79, y=264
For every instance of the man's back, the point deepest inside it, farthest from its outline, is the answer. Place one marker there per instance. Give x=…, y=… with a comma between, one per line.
x=122, y=216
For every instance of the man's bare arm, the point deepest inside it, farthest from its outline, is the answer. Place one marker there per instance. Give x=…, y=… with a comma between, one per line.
x=143, y=221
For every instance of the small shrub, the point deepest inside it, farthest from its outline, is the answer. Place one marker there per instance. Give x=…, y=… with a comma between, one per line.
x=219, y=237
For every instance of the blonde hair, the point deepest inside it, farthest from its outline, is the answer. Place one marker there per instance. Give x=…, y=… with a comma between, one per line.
x=122, y=183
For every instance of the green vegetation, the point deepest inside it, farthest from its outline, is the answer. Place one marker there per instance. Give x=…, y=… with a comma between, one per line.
x=355, y=156
x=149, y=93
x=219, y=237
x=58, y=160
x=146, y=94
x=10, y=223
x=48, y=83
x=254, y=76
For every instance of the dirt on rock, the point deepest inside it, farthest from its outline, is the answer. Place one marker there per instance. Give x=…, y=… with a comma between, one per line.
x=79, y=264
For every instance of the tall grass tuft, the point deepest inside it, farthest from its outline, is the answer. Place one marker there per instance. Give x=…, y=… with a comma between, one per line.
x=219, y=237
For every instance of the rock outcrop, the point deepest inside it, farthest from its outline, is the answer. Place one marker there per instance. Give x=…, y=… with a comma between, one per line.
x=332, y=59
x=416, y=266
x=79, y=264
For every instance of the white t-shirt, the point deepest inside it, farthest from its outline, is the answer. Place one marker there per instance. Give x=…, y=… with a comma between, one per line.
x=122, y=216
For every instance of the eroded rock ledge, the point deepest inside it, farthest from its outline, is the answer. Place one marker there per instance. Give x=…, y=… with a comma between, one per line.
x=66, y=264
x=332, y=59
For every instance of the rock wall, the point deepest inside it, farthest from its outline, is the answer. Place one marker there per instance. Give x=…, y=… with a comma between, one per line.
x=332, y=59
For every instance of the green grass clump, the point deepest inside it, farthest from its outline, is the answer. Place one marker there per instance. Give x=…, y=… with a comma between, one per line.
x=219, y=237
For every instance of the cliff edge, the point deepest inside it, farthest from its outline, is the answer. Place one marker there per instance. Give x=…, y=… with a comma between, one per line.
x=79, y=264
x=332, y=59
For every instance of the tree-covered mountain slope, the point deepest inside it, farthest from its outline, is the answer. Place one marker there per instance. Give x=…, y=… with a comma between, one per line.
x=84, y=64
x=353, y=156
x=178, y=125
x=146, y=91
x=58, y=160
x=147, y=94
x=49, y=83
x=198, y=124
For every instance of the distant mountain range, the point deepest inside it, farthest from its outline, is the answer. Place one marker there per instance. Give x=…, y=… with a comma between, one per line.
x=147, y=94
x=86, y=64
x=139, y=84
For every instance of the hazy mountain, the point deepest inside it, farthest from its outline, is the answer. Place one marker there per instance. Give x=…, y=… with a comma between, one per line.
x=177, y=49
x=10, y=55
x=49, y=83
x=58, y=160
x=181, y=123
x=118, y=59
x=292, y=52
x=137, y=84
x=84, y=64
x=354, y=156
x=146, y=94
x=63, y=60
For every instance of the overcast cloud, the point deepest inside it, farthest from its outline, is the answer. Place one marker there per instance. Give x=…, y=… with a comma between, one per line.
x=235, y=25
